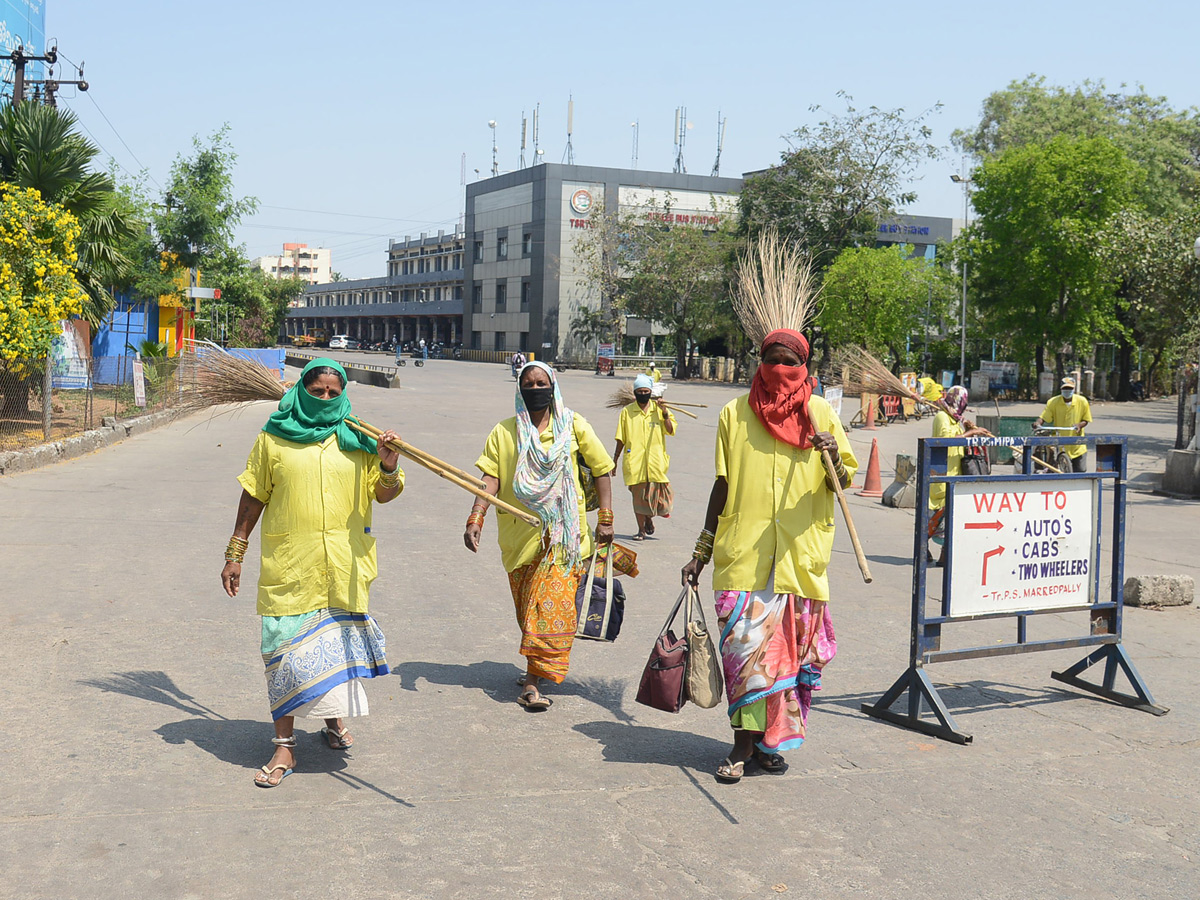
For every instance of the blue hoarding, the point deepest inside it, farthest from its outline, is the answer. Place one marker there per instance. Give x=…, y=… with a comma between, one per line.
x=22, y=23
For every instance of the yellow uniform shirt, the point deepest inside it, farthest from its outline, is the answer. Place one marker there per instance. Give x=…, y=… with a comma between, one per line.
x=1060, y=413
x=944, y=426
x=520, y=542
x=655, y=375
x=645, y=439
x=779, y=512
x=317, y=548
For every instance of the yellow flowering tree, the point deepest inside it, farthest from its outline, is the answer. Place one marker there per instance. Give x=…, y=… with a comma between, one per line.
x=38, y=288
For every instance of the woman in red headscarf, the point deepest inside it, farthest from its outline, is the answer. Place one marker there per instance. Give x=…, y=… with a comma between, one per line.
x=769, y=534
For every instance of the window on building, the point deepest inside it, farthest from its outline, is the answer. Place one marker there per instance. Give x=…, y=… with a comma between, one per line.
x=476, y=340
x=458, y=260
x=526, y=244
x=526, y=290
x=501, y=297
x=500, y=335
x=479, y=251
x=477, y=298
x=502, y=248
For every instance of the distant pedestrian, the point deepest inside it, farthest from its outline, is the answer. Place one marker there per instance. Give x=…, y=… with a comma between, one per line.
x=948, y=423
x=424, y=349
x=642, y=432
x=652, y=371
x=532, y=461
x=313, y=479
x=517, y=363
x=1069, y=412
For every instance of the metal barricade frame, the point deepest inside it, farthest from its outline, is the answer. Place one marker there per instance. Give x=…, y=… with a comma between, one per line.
x=1106, y=616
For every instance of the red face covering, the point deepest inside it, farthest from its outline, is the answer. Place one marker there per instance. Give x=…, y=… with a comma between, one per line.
x=779, y=394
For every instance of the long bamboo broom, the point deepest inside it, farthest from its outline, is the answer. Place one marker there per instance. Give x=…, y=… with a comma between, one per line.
x=776, y=288
x=623, y=396
x=223, y=378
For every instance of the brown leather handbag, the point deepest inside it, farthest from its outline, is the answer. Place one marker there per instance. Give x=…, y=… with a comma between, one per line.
x=665, y=674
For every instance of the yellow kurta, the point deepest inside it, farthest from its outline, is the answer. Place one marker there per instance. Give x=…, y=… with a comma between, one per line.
x=317, y=548
x=1061, y=414
x=944, y=426
x=779, y=512
x=520, y=542
x=645, y=439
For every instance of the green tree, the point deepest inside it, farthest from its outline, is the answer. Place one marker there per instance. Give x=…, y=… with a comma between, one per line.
x=1164, y=141
x=1043, y=210
x=678, y=276
x=839, y=179
x=40, y=149
x=878, y=298
x=1159, y=290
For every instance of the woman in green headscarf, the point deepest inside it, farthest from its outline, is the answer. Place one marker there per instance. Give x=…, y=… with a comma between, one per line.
x=312, y=479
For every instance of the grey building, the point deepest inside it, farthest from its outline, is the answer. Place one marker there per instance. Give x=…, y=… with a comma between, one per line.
x=522, y=272
x=420, y=297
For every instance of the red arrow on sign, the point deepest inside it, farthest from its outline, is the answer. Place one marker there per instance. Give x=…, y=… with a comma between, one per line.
x=992, y=526
x=988, y=556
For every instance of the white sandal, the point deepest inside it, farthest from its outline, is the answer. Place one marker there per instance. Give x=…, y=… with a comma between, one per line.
x=290, y=743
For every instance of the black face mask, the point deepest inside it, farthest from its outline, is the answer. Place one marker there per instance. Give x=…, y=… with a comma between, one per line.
x=537, y=398
x=642, y=399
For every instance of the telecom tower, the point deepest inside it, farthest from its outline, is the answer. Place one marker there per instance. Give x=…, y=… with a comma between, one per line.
x=569, y=153
x=716, y=170
x=680, y=138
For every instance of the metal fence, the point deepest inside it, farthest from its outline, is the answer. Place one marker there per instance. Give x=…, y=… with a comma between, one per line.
x=38, y=404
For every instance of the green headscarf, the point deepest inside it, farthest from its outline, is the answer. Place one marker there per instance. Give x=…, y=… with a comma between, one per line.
x=306, y=419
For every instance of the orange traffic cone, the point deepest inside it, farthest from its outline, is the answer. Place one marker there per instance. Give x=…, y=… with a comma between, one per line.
x=869, y=413
x=872, y=487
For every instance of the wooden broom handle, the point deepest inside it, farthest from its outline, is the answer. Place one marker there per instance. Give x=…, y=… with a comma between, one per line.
x=400, y=447
x=417, y=454
x=837, y=485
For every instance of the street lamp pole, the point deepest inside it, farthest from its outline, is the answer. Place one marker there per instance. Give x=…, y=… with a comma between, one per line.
x=962, y=348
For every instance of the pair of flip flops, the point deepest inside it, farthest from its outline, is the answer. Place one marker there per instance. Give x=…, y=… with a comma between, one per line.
x=730, y=772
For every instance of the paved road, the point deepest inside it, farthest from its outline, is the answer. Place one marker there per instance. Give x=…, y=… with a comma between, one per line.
x=138, y=711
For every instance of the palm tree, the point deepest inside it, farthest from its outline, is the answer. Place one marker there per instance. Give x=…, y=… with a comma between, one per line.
x=40, y=148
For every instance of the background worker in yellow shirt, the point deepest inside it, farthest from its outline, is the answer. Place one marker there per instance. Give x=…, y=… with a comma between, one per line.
x=642, y=433
x=769, y=533
x=1068, y=410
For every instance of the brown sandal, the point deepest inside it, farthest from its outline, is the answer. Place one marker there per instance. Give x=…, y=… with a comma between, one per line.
x=533, y=700
x=730, y=772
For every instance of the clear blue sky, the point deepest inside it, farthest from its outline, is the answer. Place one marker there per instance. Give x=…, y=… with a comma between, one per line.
x=350, y=119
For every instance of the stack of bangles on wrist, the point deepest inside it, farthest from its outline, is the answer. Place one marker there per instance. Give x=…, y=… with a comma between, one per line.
x=604, y=516
x=839, y=470
x=236, y=551
x=704, y=547
x=478, y=514
x=389, y=480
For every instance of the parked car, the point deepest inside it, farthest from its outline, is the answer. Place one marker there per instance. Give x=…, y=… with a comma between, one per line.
x=339, y=342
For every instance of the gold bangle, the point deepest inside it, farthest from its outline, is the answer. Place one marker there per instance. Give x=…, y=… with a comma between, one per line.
x=604, y=517
x=475, y=519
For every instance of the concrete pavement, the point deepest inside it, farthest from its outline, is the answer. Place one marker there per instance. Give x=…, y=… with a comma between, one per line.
x=139, y=712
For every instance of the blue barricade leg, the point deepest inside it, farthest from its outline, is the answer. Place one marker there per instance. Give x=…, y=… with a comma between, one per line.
x=919, y=688
x=1113, y=656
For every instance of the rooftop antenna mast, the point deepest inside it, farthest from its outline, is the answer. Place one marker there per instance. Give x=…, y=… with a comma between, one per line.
x=495, y=161
x=720, y=143
x=537, y=154
x=569, y=155
x=523, y=123
x=680, y=138
x=633, y=161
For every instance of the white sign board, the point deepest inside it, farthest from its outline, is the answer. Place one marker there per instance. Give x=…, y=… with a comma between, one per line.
x=1020, y=545
x=139, y=383
x=833, y=396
